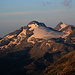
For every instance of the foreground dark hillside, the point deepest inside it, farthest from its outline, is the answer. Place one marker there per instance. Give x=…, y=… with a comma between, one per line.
x=33, y=59
x=64, y=66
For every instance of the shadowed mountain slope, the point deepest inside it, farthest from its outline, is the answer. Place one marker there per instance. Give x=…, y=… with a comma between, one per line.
x=64, y=66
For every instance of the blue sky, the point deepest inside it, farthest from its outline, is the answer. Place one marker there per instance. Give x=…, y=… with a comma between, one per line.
x=17, y=13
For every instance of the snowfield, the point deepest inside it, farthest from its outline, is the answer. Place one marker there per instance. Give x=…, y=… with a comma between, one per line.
x=45, y=32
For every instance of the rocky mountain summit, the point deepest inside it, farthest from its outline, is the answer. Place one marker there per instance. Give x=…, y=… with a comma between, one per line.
x=32, y=48
x=60, y=26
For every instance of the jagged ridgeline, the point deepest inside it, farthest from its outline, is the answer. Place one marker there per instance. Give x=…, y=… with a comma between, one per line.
x=32, y=48
x=32, y=33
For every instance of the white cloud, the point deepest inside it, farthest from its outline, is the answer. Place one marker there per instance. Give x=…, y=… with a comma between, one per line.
x=14, y=13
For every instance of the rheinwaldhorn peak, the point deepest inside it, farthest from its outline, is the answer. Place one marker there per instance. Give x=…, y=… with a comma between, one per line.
x=37, y=23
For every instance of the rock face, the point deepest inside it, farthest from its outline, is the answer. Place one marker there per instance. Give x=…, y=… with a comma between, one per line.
x=69, y=28
x=32, y=48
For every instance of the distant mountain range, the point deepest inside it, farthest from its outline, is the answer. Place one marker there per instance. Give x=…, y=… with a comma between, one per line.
x=34, y=47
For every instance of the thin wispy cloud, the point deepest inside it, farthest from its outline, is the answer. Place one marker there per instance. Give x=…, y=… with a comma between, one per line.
x=35, y=12
x=14, y=13
x=67, y=3
x=31, y=12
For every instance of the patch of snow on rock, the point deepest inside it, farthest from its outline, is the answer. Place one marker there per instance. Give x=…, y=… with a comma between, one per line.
x=66, y=34
x=8, y=36
x=33, y=26
x=23, y=33
x=48, y=44
x=63, y=26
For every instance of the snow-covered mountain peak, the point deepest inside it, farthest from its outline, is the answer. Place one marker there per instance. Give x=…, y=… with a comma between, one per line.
x=60, y=26
x=32, y=33
x=63, y=25
x=61, y=22
x=41, y=31
x=35, y=24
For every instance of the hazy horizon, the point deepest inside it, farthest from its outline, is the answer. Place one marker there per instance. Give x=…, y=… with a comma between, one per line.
x=18, y=13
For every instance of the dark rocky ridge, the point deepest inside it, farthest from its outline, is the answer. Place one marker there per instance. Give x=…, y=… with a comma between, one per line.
x=69, y=28
x=40, y=24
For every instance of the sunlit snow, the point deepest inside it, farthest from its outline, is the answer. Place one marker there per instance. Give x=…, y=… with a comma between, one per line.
x=63, y=26
x=44, y=32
